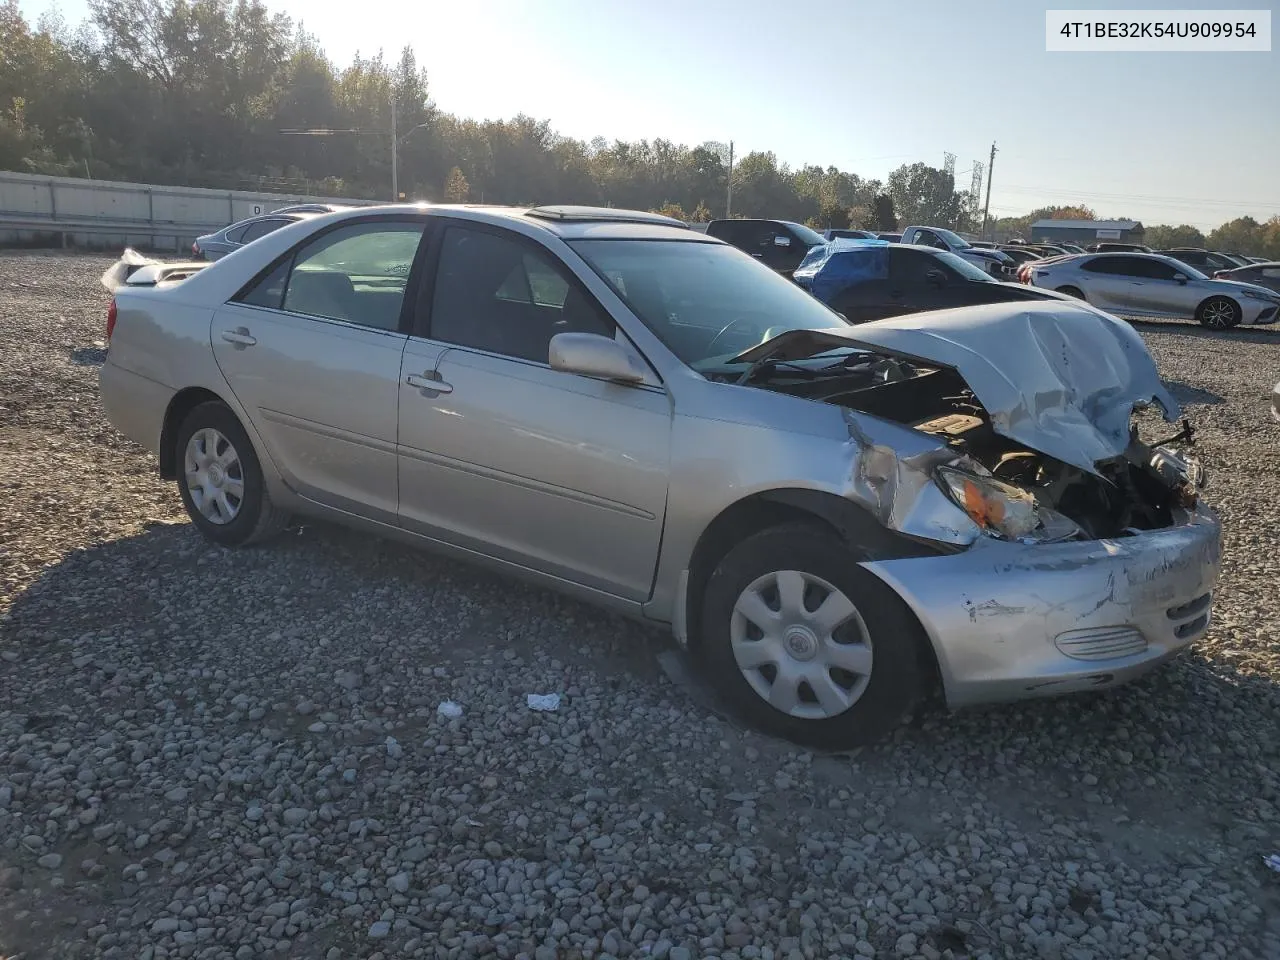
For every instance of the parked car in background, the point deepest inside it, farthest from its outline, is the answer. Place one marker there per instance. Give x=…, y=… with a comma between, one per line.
x=1109, y=247
x=1151, y=285
x=831, y=518
x=311, y=208
x=1258, y=260
x=999, y=265
x=848, y=234
x=1206, y=261
x=867, y=280
x=1262, y=274
x=890, y=237
x=213, y=246
x=1021, y=255
x=778, y=244
x=1071, y=247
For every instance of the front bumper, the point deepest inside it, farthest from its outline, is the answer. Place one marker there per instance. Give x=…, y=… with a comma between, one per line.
x=1261, y=314
x=1009, y=621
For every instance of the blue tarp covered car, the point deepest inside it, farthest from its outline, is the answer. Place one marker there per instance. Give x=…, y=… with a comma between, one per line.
x=829, y=269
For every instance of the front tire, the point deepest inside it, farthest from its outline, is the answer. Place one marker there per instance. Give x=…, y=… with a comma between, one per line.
x=1072, y=292
x=1218, y=313
x=220, y=479
x=807, y=645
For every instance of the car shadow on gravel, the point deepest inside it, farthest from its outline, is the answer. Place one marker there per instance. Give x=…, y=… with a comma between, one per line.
x=88, y=356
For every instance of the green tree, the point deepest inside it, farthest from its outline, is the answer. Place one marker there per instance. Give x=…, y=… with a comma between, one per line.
x=1162, y=236
x=924, y=195
x=883, y=216
x=456, y=188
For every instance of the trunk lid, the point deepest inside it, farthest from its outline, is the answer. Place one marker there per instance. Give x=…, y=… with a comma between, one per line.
x=1058, y=377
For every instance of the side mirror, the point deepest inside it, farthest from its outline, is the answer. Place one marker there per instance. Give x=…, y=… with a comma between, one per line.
x=780, y=241
x=593, y=355
x=937, y=278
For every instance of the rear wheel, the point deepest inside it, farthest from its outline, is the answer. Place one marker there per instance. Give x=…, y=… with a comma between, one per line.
x=1218, y=313
x=1072, y=292
x=807, y=645
x=220, y=479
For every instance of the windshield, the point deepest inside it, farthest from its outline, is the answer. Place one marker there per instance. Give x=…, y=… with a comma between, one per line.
x=953, y=239
x=811, y=237
x=708, y=302
x=963, y=267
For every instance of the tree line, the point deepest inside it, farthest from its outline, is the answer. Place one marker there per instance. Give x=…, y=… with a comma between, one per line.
x=198, y=92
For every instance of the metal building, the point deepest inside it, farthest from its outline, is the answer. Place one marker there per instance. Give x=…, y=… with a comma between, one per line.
x=1085, y=232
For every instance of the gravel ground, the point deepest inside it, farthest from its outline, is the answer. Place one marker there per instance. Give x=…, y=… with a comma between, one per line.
x=235, y=755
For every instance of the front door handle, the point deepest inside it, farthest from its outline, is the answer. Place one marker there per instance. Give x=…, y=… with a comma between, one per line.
x=429, y=381
x=240, y=337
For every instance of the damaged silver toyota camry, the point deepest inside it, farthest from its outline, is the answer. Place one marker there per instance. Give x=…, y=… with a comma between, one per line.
x=832, y=517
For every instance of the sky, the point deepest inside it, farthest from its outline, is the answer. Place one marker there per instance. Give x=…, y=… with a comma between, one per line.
x=865, y=85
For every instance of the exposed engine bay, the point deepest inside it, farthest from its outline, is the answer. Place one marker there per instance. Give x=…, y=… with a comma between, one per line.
x=1134, y=492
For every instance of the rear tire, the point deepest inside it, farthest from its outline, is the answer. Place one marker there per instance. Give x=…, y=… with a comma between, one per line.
x=1073, y=292
x=825, y=653
x=220, y=479
x=1219, y=313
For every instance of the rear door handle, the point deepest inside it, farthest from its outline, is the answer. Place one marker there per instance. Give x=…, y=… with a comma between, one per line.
x=429, y=381
x=240, y=337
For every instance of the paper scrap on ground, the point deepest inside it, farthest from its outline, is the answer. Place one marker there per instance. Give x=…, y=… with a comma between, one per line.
x=1273, y=861
x=449, y=709
x=544, y=701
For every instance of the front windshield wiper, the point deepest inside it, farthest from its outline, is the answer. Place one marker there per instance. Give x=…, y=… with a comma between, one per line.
x=767, y=365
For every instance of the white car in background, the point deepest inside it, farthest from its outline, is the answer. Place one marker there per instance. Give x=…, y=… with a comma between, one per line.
x=1150, y=285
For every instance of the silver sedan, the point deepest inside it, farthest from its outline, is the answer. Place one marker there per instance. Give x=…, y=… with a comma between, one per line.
x=213, y=246
x=612, y=405
x=1150, y=285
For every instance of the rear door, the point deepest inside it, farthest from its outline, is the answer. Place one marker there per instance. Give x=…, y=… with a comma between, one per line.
x=1107, y=280
x=312, y=352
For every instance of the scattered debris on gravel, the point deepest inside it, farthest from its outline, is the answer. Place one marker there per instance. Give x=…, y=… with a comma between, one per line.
x=223, y=754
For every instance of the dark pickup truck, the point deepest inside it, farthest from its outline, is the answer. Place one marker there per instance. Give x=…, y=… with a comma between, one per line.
x=778, y=244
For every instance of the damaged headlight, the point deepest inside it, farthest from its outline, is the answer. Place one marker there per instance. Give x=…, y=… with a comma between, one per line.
x=1005, y=511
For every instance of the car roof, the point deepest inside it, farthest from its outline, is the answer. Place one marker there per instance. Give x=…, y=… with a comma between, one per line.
x=566, y=222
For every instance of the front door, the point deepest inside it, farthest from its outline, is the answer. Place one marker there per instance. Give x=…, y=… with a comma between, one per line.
x=499, y=453
x=312, y=352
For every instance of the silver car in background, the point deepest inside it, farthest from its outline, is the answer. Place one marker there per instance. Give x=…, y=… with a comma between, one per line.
x=214, y=246
x=1264, y=274
x=830, y=517
x=1150, y=285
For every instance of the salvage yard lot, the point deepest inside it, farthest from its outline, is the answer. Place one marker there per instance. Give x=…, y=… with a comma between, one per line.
x=217, y=754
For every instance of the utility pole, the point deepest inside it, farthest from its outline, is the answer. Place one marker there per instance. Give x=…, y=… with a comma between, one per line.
x=395, y=143
x=987, y=207
x=728, y=203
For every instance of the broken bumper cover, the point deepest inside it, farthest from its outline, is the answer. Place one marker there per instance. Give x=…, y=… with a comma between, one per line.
x=1010, y=621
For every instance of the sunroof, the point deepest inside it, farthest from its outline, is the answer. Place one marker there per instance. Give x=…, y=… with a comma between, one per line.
x=580, y=214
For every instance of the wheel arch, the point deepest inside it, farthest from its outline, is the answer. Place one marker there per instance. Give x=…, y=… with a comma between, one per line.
x=867, y=538
x=181, y=404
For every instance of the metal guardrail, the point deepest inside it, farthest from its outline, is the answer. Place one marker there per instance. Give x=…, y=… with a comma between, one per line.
x=136, y=228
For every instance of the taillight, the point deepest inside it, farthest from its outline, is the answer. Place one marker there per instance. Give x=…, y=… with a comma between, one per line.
x=195, y=249
x=111, y=319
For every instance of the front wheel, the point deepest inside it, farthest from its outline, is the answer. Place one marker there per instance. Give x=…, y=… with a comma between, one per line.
x=220, y=479
x=807, y=645
x=1218, y=313
x=1072, y=292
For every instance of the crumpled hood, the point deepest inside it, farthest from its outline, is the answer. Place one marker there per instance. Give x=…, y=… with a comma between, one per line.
x=1060, y=378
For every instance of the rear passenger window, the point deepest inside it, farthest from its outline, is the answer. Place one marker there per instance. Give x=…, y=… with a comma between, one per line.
x=269, y=291
x=355, y=274
x=497, y=294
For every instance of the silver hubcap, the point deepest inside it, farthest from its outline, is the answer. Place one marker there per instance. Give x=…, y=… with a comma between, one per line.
x=215, y=478
x=801, y=644
x=1218, y=313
